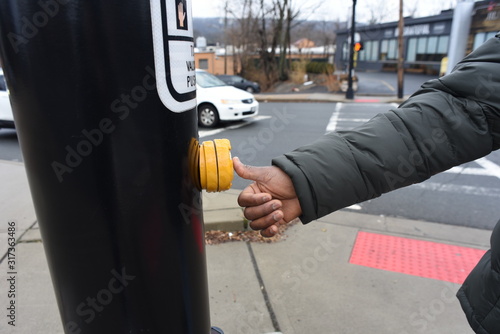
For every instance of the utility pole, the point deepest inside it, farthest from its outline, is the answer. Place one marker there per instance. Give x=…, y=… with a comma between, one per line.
x=401, y=56
x=350, y=92
x=225, y=38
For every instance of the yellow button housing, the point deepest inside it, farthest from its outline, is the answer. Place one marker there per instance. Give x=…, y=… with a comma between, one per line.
x=211, y=166
x=215, y=167
x=224, y=163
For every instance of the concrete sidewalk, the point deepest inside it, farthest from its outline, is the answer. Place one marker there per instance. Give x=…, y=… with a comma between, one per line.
x=302, y=284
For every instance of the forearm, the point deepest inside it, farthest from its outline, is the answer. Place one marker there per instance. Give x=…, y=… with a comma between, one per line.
x=430, y=133
x=447, y=122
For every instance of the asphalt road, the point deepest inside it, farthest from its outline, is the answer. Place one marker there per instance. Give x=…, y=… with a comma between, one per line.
x=465, y=196
x=386, y=83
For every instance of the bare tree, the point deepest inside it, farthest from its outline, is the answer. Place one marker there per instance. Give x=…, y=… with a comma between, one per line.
x=242, y=32
x=263, y=28
x=268, y=40
x=383, y=11
x=410, y=8
x=284, y=31
x=379, y=11
x=327, y=35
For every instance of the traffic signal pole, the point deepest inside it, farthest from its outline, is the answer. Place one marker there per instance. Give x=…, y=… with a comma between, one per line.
x=103, y=94
x=401, y=55
x=350, y=91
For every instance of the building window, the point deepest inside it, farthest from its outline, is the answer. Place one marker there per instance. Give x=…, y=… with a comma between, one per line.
x=432, y=48
x=374, y=51
x=203, y=64
x=362, y=53
x=411, y=54
x=482, y=37
x=421, y=45
x=478, y=40
x=384, y=45
x=369, y=52
x=345, y=51
x=442, y=47
x=389, y=49
x=432, y=44
x=392, y=52
x=365, y=53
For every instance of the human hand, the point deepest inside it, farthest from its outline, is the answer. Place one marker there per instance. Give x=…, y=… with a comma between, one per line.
x=181, y=13
x=270, y=200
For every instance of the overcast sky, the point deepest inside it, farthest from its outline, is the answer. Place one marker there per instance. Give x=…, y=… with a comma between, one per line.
x=337, y=9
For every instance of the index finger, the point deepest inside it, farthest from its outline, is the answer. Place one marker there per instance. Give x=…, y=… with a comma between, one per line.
x=251, y=196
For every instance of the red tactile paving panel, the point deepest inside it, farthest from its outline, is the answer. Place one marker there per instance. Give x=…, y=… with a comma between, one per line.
x=415, y=257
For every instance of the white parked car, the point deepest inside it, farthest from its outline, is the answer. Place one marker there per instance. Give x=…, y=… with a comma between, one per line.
x=218, y=101
x=6, y=118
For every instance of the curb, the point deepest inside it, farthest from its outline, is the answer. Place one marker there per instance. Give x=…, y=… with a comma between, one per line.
x=322, y=97
x=222, y=212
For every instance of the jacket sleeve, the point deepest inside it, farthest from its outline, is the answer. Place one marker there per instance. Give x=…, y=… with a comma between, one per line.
x=447, y=122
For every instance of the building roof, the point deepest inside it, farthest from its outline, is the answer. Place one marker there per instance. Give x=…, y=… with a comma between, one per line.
x=443, y=16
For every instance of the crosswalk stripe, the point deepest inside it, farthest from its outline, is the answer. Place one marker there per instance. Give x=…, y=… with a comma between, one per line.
x=459, y=189
x=207, y=133
x=332, y=124
x=490, y=166
x=468, y=171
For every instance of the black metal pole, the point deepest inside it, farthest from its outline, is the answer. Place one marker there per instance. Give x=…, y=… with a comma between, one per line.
x=350, y=92
x=401, y=56
x=106, y=159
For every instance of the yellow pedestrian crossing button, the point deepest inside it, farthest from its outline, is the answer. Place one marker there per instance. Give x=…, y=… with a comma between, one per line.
x=214, y=169
x=211, y=167
x=224, y=164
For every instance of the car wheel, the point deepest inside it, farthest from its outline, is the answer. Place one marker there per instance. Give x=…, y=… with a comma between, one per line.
x=250, y=89
x=208, y=116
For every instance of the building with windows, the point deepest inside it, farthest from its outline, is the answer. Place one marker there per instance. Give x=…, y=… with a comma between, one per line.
x=485, y=23
x=426, y=40
x=215, y=61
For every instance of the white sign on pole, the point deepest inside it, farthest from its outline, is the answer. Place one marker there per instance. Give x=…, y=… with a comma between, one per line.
x=173, y=45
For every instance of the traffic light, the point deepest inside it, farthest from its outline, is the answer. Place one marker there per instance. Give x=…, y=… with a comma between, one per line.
x=358, y=46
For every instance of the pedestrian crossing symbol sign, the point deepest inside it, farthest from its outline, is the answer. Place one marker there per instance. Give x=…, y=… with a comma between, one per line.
x=173, y=45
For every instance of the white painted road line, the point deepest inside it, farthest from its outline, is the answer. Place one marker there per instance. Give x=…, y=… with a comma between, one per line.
x=354, y=207
x=332, y=124
x=207, y=133
x=364, y=120
x=468, y=171
x=489, y=168
x=459, y=189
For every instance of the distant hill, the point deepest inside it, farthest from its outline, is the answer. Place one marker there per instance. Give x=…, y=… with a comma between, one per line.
x=320, y=32
x=211, y=28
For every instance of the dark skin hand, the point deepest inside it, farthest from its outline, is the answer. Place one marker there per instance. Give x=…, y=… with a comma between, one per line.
x=270, y=200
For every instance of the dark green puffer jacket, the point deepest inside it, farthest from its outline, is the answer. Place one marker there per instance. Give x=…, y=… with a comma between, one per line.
x=447, y=122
